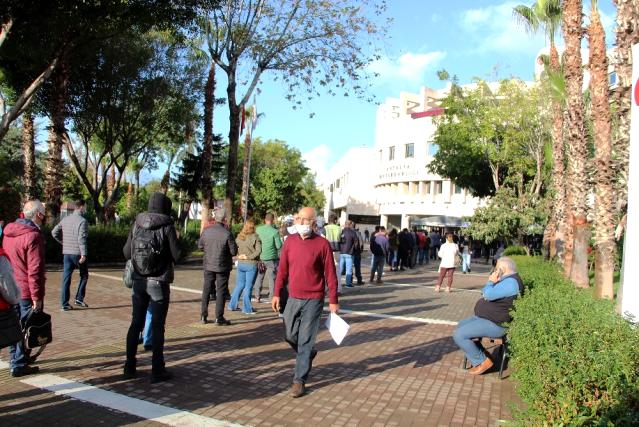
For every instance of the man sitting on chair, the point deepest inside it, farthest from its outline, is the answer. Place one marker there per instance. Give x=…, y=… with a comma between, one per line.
x=492, y=311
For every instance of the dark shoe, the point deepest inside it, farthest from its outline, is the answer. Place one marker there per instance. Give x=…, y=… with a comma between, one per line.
x=298, y=390
x=27, y=370
x=129, y=373
x=203, y=320
x=360, y=282
x=482, y=367
x=164, y=376
x=379, y=282
x=81, y=304
x=67, y=307
x=222, y=322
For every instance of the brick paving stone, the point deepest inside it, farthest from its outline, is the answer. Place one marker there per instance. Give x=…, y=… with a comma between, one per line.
x=386, y=372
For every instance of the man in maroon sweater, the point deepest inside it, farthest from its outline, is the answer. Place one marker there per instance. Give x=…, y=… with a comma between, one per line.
x=306, y=264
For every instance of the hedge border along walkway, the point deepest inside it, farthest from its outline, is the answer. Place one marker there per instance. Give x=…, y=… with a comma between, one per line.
x=574, y=360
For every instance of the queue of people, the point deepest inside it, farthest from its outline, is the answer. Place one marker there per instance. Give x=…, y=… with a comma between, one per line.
x=300, y=261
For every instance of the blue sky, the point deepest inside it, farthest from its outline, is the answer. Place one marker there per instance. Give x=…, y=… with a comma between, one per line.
x=467, y=38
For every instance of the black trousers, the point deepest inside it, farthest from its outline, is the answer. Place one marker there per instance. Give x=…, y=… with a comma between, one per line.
x=220, y=282
x=156, y=296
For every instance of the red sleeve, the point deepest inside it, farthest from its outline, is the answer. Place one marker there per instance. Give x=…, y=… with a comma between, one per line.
x=35, y=265
x=282, y=269
x=330, y=273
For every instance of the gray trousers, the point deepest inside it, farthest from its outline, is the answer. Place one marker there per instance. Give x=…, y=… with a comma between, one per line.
x=270, y=273
x=301, y=323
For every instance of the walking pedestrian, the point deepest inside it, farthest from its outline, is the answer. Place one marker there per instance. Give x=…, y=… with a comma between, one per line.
x=379, y=248
x=72, y=233
x=306, y=265
x=349, y=243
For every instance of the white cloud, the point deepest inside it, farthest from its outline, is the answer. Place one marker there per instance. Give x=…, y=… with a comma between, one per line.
x=317, y=160
x=410, y=67
x=495, y=29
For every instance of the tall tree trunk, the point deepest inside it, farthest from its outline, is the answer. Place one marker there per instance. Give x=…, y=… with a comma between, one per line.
x=137, y=185
x=604, y=191
x=129, y=197
x=246, y=164
x=207, y=149
x=55, y=165
x=28, y=148
x=577, y=145
x=234, y=140
x=557, y=228
x=627, y=34
x=109, y=211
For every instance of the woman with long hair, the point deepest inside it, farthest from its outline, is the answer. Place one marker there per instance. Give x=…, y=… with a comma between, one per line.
x=249, y=248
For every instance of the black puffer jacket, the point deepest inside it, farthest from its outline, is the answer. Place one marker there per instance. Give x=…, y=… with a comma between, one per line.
x=158, y=220
x=219, y=248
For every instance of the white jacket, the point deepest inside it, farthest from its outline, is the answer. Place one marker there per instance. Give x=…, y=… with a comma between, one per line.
x=447, y=253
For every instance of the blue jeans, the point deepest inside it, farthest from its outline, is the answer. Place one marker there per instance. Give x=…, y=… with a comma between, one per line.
x=71, y=262
x=423, y=255
x=301, y=323
x=245, y=275
x=473, y=327
x=346, y=260
x=19, y=354
x=147, y=333
x=378, y=266
x=465, y=262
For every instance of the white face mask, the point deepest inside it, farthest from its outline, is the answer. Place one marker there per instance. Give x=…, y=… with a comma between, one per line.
x=303, y=229
x=292, y=229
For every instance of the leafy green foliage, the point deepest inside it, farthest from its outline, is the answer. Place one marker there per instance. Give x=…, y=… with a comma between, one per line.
x=575, y=361
x=115, y=235
x=515, y=250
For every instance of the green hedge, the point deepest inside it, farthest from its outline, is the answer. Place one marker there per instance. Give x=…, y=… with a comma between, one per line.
x=575, y=362
x=105, y=244
x=515, y=250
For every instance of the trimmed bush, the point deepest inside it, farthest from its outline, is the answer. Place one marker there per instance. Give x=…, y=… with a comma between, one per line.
x=515, y=250
x=574, y=360
x=105, y=244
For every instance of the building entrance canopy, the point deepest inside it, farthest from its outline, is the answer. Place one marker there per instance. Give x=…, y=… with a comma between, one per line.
x=440, y=221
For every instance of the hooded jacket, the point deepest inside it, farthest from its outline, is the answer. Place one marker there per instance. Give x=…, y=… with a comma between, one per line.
x=158, y=219
x=24, y=245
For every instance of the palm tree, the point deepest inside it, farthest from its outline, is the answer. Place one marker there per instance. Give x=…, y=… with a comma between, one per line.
x=576, y=140
x=604, y=191
x=545, y=15
x=250, y=119
x=28, y=148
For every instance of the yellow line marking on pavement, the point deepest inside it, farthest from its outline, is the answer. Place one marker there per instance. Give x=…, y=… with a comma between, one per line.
x=119, y=402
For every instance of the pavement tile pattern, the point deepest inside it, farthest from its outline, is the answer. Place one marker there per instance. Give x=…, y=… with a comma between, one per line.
x=387, y=372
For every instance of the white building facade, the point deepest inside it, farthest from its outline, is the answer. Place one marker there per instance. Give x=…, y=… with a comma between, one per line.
x=390, y=183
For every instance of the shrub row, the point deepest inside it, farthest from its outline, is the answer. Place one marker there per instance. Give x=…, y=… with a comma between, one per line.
x=575, y=362
x=515, y=250
x=104, y=244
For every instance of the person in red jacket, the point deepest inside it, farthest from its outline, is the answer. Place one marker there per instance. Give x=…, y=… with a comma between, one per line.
x=306, y=265
x=24, y=244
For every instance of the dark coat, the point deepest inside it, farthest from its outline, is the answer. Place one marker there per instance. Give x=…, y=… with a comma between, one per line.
x=162, y=225
x=349, y=241
x=219, y=248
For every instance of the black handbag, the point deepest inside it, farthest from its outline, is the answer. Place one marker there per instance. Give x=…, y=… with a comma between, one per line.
x=10, y=331
x=37, y=329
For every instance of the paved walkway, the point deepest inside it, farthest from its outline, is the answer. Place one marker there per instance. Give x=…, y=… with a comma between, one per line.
x=398, y=366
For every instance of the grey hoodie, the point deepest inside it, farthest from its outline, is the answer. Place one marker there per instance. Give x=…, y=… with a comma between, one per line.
x=8, y=287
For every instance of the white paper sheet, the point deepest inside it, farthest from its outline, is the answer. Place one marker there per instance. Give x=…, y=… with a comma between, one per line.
x=337, y=327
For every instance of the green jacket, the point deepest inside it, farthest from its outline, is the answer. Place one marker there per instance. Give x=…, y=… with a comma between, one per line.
x=271, y=242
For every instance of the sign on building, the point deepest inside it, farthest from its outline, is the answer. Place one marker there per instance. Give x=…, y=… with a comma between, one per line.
x=630, y=267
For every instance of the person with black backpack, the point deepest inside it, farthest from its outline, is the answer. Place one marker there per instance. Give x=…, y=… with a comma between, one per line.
x=153, y=248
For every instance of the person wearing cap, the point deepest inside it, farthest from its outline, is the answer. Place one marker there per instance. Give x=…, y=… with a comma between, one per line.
x=151, y=291
x=219, y=248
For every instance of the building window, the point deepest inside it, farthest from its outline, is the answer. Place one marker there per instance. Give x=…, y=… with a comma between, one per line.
x=391, y=153
x=409, y=151
x=337, y=184
x=433, y=149
x=439, y=187
x=612, y=78
x=380, y=155
x=458, y=189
